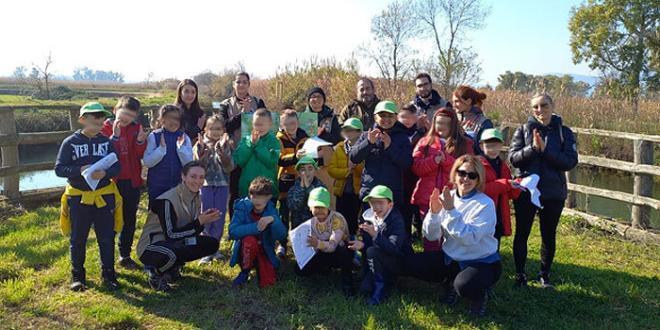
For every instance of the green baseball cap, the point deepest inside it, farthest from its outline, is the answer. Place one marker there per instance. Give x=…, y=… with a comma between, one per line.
x=379, y=192
x=492, y=133
x=93, y=107
x=386, y=106
x=306, y=160
x=319, y=197
x=353, y=123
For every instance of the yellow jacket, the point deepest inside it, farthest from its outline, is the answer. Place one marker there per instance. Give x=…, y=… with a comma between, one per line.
x=338, y=169
x=94, y=197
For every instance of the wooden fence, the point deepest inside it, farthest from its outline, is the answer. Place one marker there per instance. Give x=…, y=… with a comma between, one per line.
x=641, y=168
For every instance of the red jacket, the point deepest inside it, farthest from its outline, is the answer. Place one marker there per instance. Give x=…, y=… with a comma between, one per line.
x=431, y=175
x=129, y=151
x=500, y=191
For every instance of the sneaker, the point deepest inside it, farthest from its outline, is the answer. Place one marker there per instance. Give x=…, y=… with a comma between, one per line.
x=451, y=298
x=158, y=283
x=218, y=256
x=544, y=280
x=206, y=260
x=281, y=252
x=521, y=280
x=172, y=275
x=78, y=282
x=128, y=263
x=478, y=307
x=110, y=279
x=241, y=279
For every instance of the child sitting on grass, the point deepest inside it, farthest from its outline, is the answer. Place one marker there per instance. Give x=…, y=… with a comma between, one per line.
x=255, y=228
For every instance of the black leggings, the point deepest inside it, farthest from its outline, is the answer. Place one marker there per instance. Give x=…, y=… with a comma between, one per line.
x=426, y=266
x=549, y=219
x=164, y=255
x=349, y=205
x=341, y=258
x=472, y=281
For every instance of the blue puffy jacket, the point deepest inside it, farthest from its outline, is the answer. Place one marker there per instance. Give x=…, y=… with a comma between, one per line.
x=242, y=225
x=560, y=155
x=384, y=166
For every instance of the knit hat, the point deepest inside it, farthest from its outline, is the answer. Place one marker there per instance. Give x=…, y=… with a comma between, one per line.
x=353, y=123
x=94, y=107
x=316, y=90
x=306, y=160
x=386, y=106
x=492, y=134
x=379, y=192
x=319, y=197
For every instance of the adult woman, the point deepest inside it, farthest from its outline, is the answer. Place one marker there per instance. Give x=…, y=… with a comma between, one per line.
x=192, y=115
x=171, y=235
x=329, y=129
x=465, y=219
x=468, y=102
x=433, y=158
x=545, y=147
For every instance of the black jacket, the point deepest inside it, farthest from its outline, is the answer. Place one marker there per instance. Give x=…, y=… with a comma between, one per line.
x=560, y=155
x=391, y=238
x=78, y=150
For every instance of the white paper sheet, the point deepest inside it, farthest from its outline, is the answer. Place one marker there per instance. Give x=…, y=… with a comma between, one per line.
x=101, y=165
x=530, y=183
x=312, y=145
x=298, y=237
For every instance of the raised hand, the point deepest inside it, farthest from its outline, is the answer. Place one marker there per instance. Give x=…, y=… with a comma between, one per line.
x=372, y=135
x=201, y=121
x=439, y=158
x=116, y=129
x=264, y=222
x=387, y=140
x=446, y=199
x=435, y=205
x=368, y=228
x=255, y=136
x=209, y=216
x=180, y=141
x=538, y=143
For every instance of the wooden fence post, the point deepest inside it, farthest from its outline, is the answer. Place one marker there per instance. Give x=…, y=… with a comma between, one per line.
x=10, y=182
x=74, y=114
x=643, y=154
x=571, y=200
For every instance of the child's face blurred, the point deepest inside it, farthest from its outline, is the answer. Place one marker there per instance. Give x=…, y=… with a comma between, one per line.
x=385, y=119
x=407, y=118
x=92, y=123
x=380, y=206
x=261, y=125
x=443, y=126
x=320, y=212
x=290, y=125
x=350, y=134
x=194, y=180
x=492, y=148
x=214, y=131
x=307, y=171
x=171, y=121
x=259, y=202
x=125, y=116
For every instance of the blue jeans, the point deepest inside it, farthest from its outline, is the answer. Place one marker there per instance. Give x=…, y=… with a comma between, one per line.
x=82, y=218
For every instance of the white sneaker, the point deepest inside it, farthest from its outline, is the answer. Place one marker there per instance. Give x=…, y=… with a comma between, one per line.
x=206, y=260
x=281, y=252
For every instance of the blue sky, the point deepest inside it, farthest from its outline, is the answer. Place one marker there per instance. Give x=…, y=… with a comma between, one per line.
x=179, y=39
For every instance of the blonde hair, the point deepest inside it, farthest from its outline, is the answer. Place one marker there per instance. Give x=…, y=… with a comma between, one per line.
x=476, y=164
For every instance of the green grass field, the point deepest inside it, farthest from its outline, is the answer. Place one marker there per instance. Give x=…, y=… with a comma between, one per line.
x=602, y=282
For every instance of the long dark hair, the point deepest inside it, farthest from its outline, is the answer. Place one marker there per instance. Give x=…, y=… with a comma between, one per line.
x=456, y=142
x=194, y=107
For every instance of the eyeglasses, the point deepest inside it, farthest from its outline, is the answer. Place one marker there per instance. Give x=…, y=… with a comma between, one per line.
x=469, y=175
x=422, y=85
x=540, y=106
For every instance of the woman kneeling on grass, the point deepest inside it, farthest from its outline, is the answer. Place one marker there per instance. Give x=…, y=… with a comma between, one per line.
x=171, y=235
x=466, y=218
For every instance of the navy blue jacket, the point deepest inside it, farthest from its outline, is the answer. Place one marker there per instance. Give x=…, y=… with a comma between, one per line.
x=560, y=155
x=391, y=238
x=384, y=166
x=78, y=150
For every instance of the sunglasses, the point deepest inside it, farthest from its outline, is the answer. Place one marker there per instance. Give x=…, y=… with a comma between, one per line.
x=469, y=175
x=540, y=106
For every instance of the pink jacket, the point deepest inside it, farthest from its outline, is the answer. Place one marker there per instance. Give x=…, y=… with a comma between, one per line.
x=431, y=175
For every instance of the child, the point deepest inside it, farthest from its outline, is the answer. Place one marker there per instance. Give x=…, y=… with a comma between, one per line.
x=168, y=149
x=213, y=151
x=384, y=242
x=499, y=186
x=83, y=207
x=347, y=175
x=415, y=128
x=255, y=227
x=291, y=138
x=258, y=153
x=329, y=238
x=128, y=139
x=299, y=193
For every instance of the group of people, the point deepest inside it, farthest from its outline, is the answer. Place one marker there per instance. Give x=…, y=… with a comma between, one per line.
x=430, y=170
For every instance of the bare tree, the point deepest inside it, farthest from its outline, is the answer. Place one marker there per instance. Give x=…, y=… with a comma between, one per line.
x=392, y=30
x=447, y=22
x=41, y=77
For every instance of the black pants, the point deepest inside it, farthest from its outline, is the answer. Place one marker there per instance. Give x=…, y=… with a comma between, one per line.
x=410, y=215
x=234, y=177
x=164, y=255
x=426, y=266
x=285, y=215
x=380, y=262
x=472, y=281
x=341, y=258
x=349, y=205
x=82, y=218
x=549, y=219
x=131, y=199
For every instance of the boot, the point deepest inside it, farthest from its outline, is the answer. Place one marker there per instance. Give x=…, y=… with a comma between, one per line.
x=521, y=280
x=478, y=307
x=157, y=281
x=78, y=282
x=110, y=279
x=378, y=294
